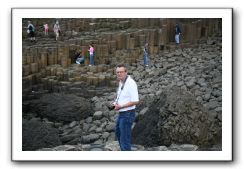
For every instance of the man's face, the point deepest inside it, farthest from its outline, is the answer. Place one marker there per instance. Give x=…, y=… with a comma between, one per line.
x=121, y=73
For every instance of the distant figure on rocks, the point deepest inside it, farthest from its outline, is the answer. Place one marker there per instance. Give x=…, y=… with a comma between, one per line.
x=76, y=55
x=177, y=33
x=145, y=54
x=80, y=59
x=31, y=31
x=91, y=53
x=45, y=29
x=56, y=29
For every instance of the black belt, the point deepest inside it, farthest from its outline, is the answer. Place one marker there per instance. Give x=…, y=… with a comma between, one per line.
x=128, y=111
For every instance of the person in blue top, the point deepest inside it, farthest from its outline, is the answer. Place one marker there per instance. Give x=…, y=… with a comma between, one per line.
x=177, y=33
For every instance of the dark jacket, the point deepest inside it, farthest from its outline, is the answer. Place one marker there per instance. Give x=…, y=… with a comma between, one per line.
x=177, y=29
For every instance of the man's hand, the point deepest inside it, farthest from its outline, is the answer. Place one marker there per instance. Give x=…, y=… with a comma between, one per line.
x=117, y=107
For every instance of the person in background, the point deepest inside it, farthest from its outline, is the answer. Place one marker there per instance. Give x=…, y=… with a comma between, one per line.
x=145, y=54
x=56, y=30
x=76, y=55
x=45, y=29
x=31, y=31
x=125, y=103
x=177, y=33
x=91, y=53
x=80, y=59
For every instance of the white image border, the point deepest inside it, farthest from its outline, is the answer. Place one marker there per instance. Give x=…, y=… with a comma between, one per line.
x=19, y=155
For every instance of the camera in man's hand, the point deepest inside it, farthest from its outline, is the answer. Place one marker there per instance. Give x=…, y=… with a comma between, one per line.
x=110, y=106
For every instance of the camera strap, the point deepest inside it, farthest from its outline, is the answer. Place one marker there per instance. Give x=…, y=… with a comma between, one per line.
x=122, y=87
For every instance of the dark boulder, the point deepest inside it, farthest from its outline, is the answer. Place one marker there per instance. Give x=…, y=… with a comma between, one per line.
x=37, y=134
x=58, y=107
x=146, y=131
x=178, y=118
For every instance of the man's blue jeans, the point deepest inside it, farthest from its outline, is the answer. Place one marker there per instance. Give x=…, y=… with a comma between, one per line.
x=123, y=129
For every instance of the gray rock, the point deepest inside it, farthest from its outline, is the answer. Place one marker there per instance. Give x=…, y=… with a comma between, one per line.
x=89, y=138
x=89, y=120
x=105, y=135
x=72, y=124
x=143, y=111
x=159, y=148
x=85, y=127
x=65, y=148
x=92, y=129
x=206, y=97
x=218, y=109
x=112, y=146
x=98, y=115
x=212, y=105
x=99, y=130
x=69, y=137
x=183, y=147
x=110, y=127
x=190, y=82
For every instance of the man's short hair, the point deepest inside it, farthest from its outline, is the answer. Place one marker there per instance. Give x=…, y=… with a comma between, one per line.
x=121, y=65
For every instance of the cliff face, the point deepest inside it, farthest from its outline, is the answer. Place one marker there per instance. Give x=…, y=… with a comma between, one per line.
x=115, y=40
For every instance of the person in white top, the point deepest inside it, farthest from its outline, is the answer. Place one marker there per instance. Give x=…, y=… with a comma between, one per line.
x=126, y=101
x=56, y=29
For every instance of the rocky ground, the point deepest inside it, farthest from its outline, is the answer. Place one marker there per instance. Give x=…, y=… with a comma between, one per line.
x=180, y=109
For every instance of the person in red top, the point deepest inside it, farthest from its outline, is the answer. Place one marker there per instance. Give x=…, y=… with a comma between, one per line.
x=45, y=29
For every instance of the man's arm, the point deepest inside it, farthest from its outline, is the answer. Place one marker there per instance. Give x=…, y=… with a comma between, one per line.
x=129, y=104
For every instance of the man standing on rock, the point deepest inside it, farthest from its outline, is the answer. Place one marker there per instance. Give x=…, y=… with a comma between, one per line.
x=126, y=101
